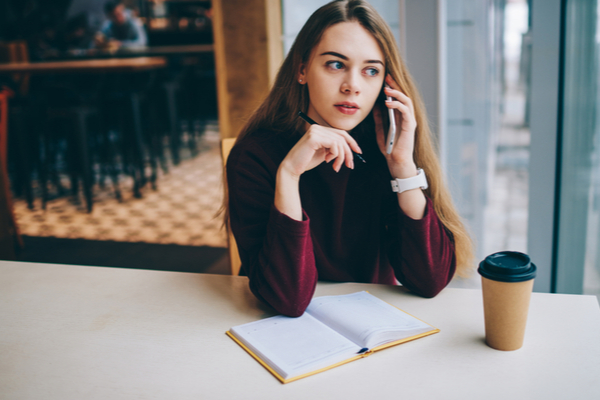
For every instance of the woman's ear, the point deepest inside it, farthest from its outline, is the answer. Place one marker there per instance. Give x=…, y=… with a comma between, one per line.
x=302, y=74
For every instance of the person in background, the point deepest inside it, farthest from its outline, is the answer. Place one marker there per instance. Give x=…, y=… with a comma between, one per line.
x=121, y=30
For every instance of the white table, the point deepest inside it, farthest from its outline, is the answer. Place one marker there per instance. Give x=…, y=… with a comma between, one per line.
x=74, y=332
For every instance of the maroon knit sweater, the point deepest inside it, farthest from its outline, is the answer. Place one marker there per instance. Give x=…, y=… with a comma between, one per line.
x=353, y=228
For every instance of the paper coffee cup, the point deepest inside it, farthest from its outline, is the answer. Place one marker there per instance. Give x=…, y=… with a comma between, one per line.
x=506, y=282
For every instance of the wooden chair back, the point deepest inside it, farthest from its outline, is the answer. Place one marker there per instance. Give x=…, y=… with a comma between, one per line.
x=234, y=256
x=16, y=52
x=3, y=128
x=9, y=230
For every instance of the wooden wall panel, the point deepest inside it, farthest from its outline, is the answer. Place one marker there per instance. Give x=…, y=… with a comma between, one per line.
x=248, y=52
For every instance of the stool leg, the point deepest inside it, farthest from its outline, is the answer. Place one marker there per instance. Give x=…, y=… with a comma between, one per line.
x=110, y=147
x=53, y=149
x=157, y=117
x=43, y=169
x=73, y=157
x=152, y=138
x=127, y=145
x=40, y=130
x=138, y=138
x=112, y=163
x=85, y=162
x=192, y=142
x=173, y=121
x=23, y=162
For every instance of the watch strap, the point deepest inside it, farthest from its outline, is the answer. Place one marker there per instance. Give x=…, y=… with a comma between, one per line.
x=418, y=181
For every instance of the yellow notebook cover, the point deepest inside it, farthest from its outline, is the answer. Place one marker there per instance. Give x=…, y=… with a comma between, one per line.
x=366, y=354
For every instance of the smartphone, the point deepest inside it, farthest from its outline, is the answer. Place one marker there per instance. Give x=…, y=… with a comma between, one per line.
x=391, y=137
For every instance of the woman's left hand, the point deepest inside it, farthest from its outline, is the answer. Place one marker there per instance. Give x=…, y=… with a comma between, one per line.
x=401, y=161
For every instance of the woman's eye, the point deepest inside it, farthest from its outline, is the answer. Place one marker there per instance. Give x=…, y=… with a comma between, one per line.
x=335, y=65
x=372, y=71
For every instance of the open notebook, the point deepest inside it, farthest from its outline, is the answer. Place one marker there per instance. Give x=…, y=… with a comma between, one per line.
x=334, y=330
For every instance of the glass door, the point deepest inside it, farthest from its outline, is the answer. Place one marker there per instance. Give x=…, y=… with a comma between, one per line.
x=485, y=137
x=577, y=258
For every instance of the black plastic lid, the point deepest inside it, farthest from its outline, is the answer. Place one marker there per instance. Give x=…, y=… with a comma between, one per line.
x=507, y=266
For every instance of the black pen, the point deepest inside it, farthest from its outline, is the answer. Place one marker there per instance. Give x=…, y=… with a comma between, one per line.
x=310, y=121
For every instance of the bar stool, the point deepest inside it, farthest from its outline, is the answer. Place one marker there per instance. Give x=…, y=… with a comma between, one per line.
x=17, y=52
x=131, y=101
x=68, y=113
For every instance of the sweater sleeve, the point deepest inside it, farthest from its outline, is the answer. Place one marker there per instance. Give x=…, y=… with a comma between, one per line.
x=276, y=251
x=421, y=252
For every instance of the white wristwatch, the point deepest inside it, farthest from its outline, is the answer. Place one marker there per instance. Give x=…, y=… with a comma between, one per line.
x=418, y=181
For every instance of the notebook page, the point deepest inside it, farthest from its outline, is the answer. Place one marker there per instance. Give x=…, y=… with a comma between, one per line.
x=294, y=346
x=359, y=316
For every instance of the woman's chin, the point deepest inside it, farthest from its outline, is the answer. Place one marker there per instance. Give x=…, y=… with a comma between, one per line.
x=346, y=124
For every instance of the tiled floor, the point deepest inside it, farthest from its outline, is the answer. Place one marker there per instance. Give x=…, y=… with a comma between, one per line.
x=182, y=211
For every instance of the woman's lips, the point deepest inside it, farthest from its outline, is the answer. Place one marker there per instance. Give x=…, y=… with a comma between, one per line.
x=347, y=108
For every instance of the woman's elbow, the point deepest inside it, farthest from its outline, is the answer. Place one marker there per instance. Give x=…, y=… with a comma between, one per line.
x=291, y=309
x=432, y=283
x=290, y=306
x=431, y=286
x=291, y=303
x=429, y=292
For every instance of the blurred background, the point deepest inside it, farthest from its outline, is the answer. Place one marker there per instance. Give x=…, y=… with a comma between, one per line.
x=113, y=158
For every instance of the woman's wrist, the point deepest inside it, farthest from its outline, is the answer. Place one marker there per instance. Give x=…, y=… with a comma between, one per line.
x=403, y=171
x=412, y=202
x=287, y=194
x=286, y=173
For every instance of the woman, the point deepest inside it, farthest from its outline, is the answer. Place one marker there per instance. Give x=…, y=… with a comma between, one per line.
x=303, y=208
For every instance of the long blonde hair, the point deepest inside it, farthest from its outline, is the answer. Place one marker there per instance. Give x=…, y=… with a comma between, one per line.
x=278, y=111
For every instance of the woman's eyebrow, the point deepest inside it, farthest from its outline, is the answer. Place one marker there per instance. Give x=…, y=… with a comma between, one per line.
x=333, y=53
x=343, y=57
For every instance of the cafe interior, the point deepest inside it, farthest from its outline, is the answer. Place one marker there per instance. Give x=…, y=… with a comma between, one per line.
x=110, y=147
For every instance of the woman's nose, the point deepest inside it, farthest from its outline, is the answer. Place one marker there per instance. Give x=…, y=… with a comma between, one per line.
x=350, y=84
